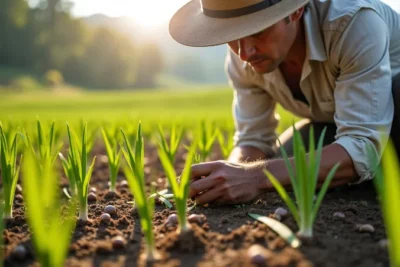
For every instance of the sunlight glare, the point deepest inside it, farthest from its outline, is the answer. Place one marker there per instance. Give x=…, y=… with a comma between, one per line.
x=150, y=13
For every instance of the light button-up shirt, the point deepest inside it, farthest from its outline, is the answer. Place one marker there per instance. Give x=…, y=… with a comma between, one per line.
x=353, y=51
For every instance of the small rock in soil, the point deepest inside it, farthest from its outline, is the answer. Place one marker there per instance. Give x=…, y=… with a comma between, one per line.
x=19, y=197
x=93, y=190
x=277, y=217
x=383, y=244
x=197, y=219
x=118, y=242
x=103, y=159
x=105, y=218
x=258, y=255
x=366, y=228
x=20, y=253
x=339, y=215
x=123, y=183
x=110, y=209
x=92, y=197
x=172, y=220
x=282, y=212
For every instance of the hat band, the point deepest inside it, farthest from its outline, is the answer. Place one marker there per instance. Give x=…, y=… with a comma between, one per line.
x=223, y=14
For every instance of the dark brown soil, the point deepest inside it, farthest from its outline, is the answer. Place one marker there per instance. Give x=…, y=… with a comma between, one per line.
x=223, y=239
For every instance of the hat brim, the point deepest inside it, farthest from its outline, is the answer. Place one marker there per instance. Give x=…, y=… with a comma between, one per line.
x=190, y=27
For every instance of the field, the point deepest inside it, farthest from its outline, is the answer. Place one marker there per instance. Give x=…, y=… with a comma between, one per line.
x=223, y=235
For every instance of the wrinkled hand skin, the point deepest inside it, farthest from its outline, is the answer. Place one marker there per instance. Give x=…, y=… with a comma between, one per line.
x=224, y=182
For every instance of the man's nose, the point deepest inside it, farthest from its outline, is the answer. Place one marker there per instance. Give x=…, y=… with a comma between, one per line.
x=246, y=49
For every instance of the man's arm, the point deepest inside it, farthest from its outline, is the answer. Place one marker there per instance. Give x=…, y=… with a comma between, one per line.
x=331, y=155
x=227, y=182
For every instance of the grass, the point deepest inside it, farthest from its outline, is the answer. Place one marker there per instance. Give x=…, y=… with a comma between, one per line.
x=184, y=107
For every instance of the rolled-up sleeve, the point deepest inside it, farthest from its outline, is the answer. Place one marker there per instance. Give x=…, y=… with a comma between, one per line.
x=253, y=108
x=363, y=98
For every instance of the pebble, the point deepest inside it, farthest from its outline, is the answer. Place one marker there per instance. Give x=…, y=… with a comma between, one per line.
x=258, y=255
x=383, y=243
x=339, y=214
x=195, y=218
x=92, y=197
x=110, y=209
x=93, y=190
x=366, y=228
x=282, y=212
x=105, y=218
x=103, y=159
x=123, y=183
x=118, y=242
x=277, y=217
x=172, y=220
x=20, y=252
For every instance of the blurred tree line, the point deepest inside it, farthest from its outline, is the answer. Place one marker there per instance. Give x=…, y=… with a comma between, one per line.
x=47, y=38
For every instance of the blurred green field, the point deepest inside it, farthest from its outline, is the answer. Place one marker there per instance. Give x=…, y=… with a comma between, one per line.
x=184, y=106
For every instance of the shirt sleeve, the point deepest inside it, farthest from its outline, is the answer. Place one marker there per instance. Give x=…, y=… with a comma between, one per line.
x=253, y=108
x=363, y=97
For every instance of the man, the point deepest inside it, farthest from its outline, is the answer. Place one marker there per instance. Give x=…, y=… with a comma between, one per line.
x=331, y=61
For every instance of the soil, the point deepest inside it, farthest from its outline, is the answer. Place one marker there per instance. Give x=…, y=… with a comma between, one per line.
x=225, y=236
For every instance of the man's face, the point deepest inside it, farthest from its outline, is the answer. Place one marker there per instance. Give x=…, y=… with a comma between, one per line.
x=266, y=50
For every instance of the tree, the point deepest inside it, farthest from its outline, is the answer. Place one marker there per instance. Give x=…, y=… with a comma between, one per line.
x=149, y=65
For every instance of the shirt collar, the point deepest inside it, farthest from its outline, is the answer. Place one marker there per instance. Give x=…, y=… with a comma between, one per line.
x=314, y=42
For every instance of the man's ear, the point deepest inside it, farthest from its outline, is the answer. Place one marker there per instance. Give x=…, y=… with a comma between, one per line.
x=296, y=16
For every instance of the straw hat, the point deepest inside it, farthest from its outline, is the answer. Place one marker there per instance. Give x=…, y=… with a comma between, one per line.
x=202, y=23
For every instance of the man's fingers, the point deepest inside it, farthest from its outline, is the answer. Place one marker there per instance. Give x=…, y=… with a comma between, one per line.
x=208, y=196
x=201, y=185
x=203, y=169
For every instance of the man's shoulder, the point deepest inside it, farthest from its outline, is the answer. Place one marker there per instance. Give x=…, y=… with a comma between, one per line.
x=335, y=15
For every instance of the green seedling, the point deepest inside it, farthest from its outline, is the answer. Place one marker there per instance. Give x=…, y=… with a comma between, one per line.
x=136, y=180
x=45, y=215
x=304, y=181
x=47, y=146
x=175, y=138
x=9, y=171
x=77, y=169
x=181, y=190
x=114, y=157
x=207, y=136
x=225, y=143
x=387, y=183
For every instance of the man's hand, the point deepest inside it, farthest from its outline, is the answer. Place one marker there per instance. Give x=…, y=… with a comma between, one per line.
x=223, y=182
